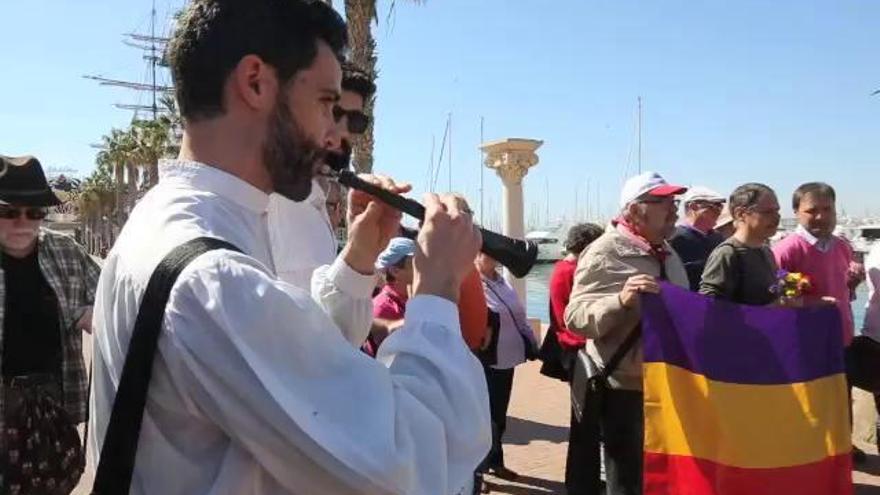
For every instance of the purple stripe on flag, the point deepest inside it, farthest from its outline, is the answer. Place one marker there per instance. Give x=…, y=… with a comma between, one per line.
x=741, y=344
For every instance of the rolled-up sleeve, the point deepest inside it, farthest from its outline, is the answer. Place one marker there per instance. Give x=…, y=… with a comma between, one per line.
x=346, y=296
x=306, y=405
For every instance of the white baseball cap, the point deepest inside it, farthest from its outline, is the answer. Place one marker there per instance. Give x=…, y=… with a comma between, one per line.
x=398, y=249
x=725, y=217
x=647, y=183
x=701, y=193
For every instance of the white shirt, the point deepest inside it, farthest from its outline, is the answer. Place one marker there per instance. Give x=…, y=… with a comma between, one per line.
x=871, y=326
x=822, y=245
x=254, y=389
x=301, y=236
x=303, y=246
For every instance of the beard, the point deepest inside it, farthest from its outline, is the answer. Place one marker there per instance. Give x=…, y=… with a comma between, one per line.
x=339, y=160
x=290, y=157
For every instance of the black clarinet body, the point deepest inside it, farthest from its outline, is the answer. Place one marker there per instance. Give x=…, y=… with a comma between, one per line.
x=516, y=255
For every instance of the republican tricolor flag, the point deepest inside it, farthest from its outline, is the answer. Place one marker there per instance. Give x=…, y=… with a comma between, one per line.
x=743, y=400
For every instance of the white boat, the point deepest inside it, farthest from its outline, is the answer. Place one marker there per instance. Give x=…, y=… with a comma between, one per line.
x=865, y=237
x=550, y=244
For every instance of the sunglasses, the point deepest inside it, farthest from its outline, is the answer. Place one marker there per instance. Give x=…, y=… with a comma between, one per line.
x=12, y=213
x=356, y=121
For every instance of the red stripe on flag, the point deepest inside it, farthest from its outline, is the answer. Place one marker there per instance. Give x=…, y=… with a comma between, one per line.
x=683, y=475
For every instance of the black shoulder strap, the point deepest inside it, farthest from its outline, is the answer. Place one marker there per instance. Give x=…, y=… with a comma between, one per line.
x=117, y=457
x=621, y=351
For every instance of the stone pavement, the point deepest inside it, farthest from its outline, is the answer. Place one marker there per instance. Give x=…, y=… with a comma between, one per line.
x=537, y=434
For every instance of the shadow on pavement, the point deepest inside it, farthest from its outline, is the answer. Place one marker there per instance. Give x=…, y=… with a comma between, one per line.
x=523, y=431
x=525, y=485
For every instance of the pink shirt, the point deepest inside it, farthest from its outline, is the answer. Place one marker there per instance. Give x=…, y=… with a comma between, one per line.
x=827, y=269
x=389, y=304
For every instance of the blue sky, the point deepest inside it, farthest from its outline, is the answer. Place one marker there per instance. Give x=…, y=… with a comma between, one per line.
x=776, y=92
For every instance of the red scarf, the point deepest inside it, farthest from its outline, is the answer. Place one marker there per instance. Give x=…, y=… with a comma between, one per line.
x=658, y=251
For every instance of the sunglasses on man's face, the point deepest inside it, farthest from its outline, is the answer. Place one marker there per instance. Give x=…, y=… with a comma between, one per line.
x=356, y=121
x=12, y=213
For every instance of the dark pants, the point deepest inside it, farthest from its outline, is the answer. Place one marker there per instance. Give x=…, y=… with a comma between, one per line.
x=623, y=432
x=583, y=462
x=500, y=383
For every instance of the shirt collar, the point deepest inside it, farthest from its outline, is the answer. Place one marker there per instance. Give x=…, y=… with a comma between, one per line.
x=207, y=178
x=822, y=245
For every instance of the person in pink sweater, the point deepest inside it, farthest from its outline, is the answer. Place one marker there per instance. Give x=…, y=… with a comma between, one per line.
x=816, y=252
x=826, y=259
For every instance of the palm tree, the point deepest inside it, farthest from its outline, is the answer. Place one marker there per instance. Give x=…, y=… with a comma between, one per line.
x=95, y=202
x=115, y=157
x=360, y=16
x=152, y=142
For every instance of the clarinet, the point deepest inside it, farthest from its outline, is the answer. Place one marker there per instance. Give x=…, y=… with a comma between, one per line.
x=516, y=255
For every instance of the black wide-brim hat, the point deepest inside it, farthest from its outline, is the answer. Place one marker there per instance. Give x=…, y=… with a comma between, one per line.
x=23, y=182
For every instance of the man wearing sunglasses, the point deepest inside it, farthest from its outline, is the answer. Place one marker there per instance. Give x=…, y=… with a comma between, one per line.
x=695, y=238
x=302, y=234
x=47, y=287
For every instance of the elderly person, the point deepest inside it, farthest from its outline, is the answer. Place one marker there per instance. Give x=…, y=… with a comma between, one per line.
x=695, y=237
x=627, y=260
x=509, y=344
x=582, y=465
x=47, y=286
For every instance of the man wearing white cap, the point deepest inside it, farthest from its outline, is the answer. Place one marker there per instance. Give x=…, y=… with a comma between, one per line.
x=695, y=238
x=604, y=306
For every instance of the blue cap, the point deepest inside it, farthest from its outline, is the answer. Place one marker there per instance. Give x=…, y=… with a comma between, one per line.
x=398, y=248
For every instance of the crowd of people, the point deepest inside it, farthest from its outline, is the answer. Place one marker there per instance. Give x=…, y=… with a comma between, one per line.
x=646, y=244
x=284, y=362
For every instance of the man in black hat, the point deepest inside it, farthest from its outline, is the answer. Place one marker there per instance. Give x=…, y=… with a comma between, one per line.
x=47, y=287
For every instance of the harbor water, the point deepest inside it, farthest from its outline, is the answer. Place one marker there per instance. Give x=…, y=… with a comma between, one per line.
x=538, y=305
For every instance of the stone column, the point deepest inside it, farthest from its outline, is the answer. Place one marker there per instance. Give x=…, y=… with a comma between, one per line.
x=511, y=160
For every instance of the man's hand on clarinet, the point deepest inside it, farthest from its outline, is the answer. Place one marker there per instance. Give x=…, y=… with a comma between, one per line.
x=447, y=245
x=371, y=224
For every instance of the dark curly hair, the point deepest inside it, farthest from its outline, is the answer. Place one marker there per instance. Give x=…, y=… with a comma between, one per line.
x=356, y=80
x=212, y=36
x=580, y=236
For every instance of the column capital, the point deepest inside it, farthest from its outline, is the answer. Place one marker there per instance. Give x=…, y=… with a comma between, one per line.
x=511, y=158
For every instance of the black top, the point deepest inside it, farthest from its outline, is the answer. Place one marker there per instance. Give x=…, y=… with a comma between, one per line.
x=31, y=325
x=694, y=248
x=741, y=274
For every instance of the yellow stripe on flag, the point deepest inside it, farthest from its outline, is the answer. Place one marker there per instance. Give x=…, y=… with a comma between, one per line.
x=747, y=426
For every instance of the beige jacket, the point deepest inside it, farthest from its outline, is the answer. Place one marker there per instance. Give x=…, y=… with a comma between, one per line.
x=594, y=309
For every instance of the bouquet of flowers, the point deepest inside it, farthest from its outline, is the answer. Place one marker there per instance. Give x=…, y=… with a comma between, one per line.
x=791, y=285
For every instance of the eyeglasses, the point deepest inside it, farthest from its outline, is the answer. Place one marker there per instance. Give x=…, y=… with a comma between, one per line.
x=13, y=212
x=356, y=121
x=763, y=211
x=658, y=201
x=711, y=205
